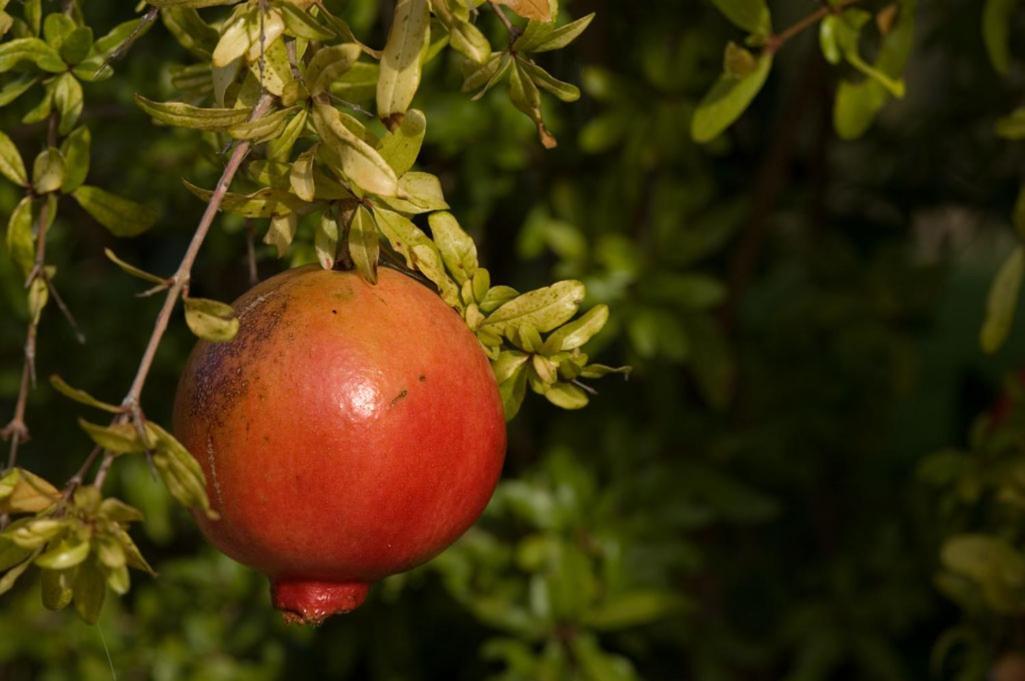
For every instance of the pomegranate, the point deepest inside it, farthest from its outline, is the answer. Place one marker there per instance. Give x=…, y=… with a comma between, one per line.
x=350, y=431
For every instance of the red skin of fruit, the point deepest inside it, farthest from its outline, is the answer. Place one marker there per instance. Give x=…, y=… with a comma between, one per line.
x=350, y=431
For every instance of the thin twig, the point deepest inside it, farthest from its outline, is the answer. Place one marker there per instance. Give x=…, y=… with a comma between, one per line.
x=65, y=310
x=78, y=478
x=147, y=20
x=16, y=430
x=514, y=32
x=179, y=281
x=776, y=41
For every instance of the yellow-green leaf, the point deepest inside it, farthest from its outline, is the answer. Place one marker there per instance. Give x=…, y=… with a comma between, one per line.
x=211, y=320
x=121, y=216
x=400, y=62
x=1002, y=301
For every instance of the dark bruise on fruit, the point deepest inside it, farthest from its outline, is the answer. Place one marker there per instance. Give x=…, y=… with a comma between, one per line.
x=219, y=377
x=330, y=456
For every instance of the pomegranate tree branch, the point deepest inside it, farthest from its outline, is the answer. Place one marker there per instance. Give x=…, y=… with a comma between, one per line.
x=16, y=430
x=177, y=284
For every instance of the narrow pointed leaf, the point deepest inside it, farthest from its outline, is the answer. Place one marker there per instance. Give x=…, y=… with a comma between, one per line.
x=121, y=216
x=400, y=62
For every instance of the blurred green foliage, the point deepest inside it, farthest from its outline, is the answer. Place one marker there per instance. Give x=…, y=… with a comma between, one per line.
x=762, y=499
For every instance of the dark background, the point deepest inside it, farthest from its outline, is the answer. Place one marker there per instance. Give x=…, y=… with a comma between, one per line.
x=801, y=314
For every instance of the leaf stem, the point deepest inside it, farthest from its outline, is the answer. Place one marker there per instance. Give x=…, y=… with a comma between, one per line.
x=179, y=281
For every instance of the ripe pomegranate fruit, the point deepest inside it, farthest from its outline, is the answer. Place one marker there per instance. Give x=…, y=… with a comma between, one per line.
x=350, y=431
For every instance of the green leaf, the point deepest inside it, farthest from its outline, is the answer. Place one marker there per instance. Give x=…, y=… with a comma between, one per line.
x=525, y=96
x=566, y=92
x=856, y=107
x=421, y=193
x=20, y=244
x=1002, y=301
x=829, y=38
x=8, y=483
x=132, y=269
x=48, y=171
x=301, y=177
x=30, y=494
x=281, y=147
x=77, y=45
x=31, y=50
x=401, y=146
x=364, y=244
x=238, y=34
x=738, y=61
x=544, y=309
x=750, y=15
x=13, y=89
x=11, y=165
x=574, y=334
x=55, y=589
x=90, y=591
x=329, y=64
x=76, y=149
x=507, y=363
x=325, y=240
x=119, y=580
x=996, y=32
x=196, y=4
x=122, y=217
x=11, y=576
x=117, y=438
x=727, y=100
x=35, y=532
x=191, y=32
x=566, y=396
x=33, y=14
x=180, y=471
x=38, y=296
x=542, y=36
x=456, y=246
x=360, y=162
x=497, y=296
x=301, y=24
x=281, y=232
x=357, y=84
x=110, y=552
x=264, y=128
x=183, y=115
x=66, y=554
x=419, y=251
x=1012, y=126
x=467, y=39
x=11, y=554
x=118, y=511
x=133, y=558
x=488, y=75
x=81, y=396
x=400, y=63
x=211, y=320
x=634, y=608
x=512, y=391
x=264, y=203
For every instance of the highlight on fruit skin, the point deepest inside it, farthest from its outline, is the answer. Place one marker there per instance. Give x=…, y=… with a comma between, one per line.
x=349, y=431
